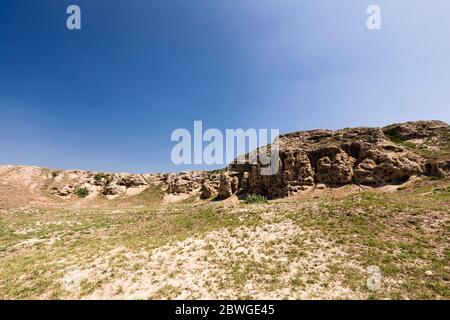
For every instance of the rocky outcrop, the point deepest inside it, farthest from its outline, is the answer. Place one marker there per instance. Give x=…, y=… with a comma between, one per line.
x=189, y=182
x=224, y=191
x=307, y=159
x=68, y=183
x=418, y=130
x=326, y=158
x=363, y=156
x=439, y=169
x=206, y=191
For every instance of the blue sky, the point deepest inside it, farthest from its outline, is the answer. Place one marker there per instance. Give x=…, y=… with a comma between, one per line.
x=108, y=97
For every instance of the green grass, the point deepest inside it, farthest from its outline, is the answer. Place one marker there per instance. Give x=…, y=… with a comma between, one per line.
x=404, y=233
x=76, y=237
x=396, y=138
x=255, y=198
x=390, y=231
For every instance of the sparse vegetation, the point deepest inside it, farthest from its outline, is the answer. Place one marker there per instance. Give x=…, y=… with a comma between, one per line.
x=98, y=177
x=396, y=138
x=83, y=192
x=55, y=173
x=217, y=171
x=256, y=198
x=277, y=249
x=433, y=177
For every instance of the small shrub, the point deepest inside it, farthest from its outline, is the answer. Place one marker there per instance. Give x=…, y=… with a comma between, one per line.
x=55, y=173
x=83, y=192
x=99, y=176
x=256, y=198
x=394, y=136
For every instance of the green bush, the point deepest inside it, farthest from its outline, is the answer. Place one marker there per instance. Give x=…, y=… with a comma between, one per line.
x=256, y=198
x=83, y=192
x=99, y=176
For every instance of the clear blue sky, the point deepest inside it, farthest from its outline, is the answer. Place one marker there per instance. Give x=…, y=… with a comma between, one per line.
x=107, y=97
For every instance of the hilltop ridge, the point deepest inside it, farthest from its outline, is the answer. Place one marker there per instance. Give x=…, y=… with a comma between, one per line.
x=307, y=159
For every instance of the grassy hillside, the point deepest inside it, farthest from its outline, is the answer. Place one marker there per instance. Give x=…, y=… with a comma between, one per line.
x=312, y=247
